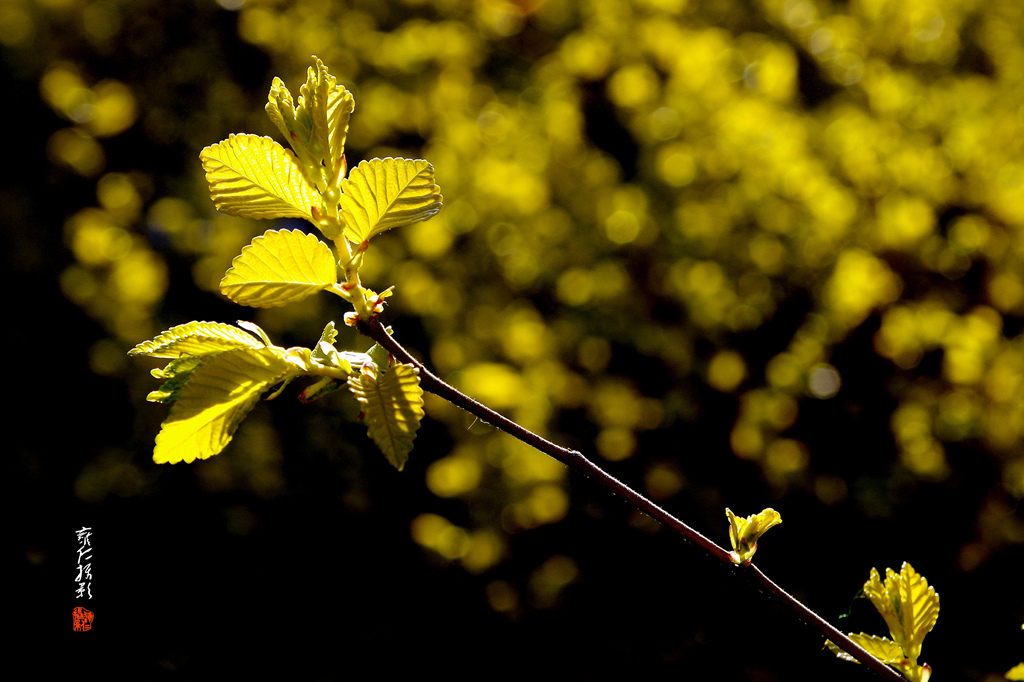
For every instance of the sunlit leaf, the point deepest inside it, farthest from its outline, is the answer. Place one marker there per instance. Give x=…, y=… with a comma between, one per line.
x=328, y=107
x=384, y=193
x=329, y=334
x=882, y=648
x=317, y=124
x=1016, y=673
x=392, y=405
x=340, y=105
x=279, y=267
x=196, y=338
x=281, y=111
x=324, y=353
x=910, y=607
x=744, y=533
x=255, y=177
x=218, y=395
x=312, y=108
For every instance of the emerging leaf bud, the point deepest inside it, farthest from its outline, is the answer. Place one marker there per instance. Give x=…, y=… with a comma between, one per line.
x=744, y=533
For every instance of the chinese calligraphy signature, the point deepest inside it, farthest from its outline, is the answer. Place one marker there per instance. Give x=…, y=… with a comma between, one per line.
x=82, y=617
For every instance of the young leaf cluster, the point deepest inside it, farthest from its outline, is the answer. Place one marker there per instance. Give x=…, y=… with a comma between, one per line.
x=910, y=608
x=218, y=372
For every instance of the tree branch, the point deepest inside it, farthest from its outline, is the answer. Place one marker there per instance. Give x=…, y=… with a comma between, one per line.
x=575, y=460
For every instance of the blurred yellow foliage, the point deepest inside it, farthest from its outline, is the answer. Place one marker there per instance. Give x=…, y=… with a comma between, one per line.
x=477, y=551
x=726, y=370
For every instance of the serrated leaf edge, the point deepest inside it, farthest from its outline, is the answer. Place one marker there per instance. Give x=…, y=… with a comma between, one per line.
x=376, y=394
x=164, y=344
x=265, y=165
x=277, y=251
x=240, y=401
x=361, y=197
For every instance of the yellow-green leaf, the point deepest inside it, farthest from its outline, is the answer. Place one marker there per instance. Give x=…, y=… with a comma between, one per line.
x=218, y=395
x=312, y=107
x=392, y=405
x=882, y=648
x=384, y=193
x=279, y=267
x=744, y=533
x=255, y=177
x=196, y=338
x=340, y=105
x=328, y=107
x=910, y=607
x=281, y=110
x=1016, y=673
x=317, y=124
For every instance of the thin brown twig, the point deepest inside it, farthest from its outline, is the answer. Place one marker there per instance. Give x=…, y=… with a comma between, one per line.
x=575, y=460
